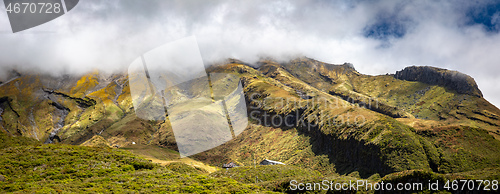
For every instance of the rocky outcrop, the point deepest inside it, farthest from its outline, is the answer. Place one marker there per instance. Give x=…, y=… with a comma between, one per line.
x=82, y=102
x=461, y=83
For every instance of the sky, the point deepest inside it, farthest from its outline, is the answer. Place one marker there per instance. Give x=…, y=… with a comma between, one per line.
x=377, y=37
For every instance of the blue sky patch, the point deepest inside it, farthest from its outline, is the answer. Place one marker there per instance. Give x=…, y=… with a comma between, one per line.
x=487, y=15
x=387, y=26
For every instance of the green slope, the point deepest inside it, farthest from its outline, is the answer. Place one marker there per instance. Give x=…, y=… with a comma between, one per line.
x=407, y=125
x=60, y=168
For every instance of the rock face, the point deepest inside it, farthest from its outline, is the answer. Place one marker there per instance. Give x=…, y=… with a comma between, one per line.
x=461, y=83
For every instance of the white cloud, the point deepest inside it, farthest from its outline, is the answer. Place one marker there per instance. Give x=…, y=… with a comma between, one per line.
x=110, y=34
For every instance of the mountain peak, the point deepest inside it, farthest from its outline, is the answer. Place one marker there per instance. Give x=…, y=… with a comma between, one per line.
x=460, y=82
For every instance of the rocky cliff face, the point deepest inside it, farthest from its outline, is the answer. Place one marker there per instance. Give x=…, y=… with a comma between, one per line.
x=461, y=83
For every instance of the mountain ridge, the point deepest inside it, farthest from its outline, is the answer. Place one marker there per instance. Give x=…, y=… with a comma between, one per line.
x=407, y=124
x=455, y=80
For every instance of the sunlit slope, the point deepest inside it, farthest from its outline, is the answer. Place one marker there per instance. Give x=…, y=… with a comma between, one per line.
x=448, y=96
x=341, y=121
x=71, y=108
x=336, y=143
x=386, y=142
x=30, y=109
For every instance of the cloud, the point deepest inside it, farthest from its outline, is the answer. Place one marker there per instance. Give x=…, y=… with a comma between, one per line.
x=378, y=37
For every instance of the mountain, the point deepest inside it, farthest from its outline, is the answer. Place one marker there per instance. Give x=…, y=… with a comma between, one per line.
x=408, y=124
x=454, y=80
x=303, y=112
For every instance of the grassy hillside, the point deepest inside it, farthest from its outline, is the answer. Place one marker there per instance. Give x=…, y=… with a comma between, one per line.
x=257, y=174
x=383, y=144
x=58, y=168
x=344, y=125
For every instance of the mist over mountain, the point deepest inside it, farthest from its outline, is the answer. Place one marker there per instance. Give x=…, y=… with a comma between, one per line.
x=190, y=96
x=377, y=36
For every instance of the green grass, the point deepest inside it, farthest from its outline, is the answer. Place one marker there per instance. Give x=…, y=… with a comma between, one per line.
x=491, y=173
x=284, y=185
x=400, y=146
x=425, y=177
x=463, y=148
x=419, y=177
x=278, y=178
x=260, y=173
x=63, y=168
x=153, y=151
x=184, y=168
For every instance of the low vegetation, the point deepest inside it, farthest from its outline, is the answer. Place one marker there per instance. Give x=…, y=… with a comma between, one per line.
x=57, y=168
x=264, y=173
x=411, y=131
